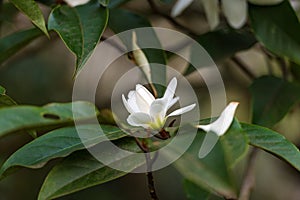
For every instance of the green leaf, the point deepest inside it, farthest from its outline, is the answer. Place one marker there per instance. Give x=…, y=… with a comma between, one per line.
x=11, y=44
x=234, y=143
x=104, y=2
x=210, y=172
x=81, y=170
x=59, y=143
x=167, y=1
x=31, y=9
x=274, y=143
x=272, y=30
x=220, y=44
x=134, y=21
x=4, y=99
x=194, y=192
x=20, y=118
x=272, y=99
x=80, y=28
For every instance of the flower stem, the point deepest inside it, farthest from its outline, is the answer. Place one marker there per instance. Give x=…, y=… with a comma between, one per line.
x=143, y=146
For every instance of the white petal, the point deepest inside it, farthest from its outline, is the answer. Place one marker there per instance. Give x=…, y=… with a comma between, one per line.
x=170, y=91
x=144, y=98
x=132, y=102
x=182, y=110
x=265, y=2
x=172, y=102
x=74, y=3
x=180, y=6
x=158, y=109
x=126, y=104
x=140, y=58
x=139, y=119
x=221, y=125
x=211, y=8
x=235, y=11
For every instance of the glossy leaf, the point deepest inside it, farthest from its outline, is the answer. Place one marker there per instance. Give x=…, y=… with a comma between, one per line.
x=194, y=192
x=80, y=28
x=272, y=30
x=31, y=9
x=20, y=118
x=11, y=44
x=274, y=143
x=4, y=99
x=235, y=144
x=220, y=44
x=272, y=99
x=59, y=143
x=81, y=170
x=210, y=172
x=134, y=21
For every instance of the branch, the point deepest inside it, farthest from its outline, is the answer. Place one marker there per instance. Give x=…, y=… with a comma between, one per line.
x=249, y=177
x=149, y=173
x=243, y=67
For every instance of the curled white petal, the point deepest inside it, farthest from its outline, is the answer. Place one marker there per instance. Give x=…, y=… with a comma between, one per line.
x=221, y=125
x=144, y=98
x=132, y=102
x=265, y=2
x=236, y=12
x=182, y=110
x=140, y=58
x=74, y=3
x=180, y=6
x=211, y=8
x=139, y=119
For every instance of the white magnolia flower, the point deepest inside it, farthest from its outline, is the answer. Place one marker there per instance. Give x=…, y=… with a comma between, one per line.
x=222, y=124
x=74, y=3
x=234, y=10
x=148, y=112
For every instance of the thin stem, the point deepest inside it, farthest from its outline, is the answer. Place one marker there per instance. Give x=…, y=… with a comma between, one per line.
x=243, y=67
x=149, y=162
x=169, y=18
x=283, y=67
x=249, y=177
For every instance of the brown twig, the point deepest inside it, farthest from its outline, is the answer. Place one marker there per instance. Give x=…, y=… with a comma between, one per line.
x=143, y=146
x=243, y=67
x=249, y=177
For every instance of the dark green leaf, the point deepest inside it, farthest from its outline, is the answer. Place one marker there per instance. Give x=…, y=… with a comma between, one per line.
x=273, y=143
x=59, y=143
x=81, y=170
x=220, y=44
x=134, y=21
x=4, y=99
x=167, y=1
x=18, y=118
x=31, y=9
x=80, y=28
x=194, y=192
x=235, y=144
x=295, y=70
x=11, y=44
x=210, y=172
x=278, y=29
x=272, y=99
